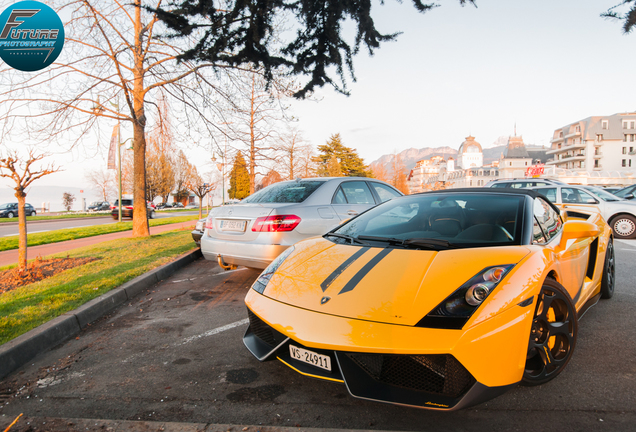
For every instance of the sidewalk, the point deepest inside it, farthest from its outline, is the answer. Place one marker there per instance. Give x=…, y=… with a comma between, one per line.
x=11, y=256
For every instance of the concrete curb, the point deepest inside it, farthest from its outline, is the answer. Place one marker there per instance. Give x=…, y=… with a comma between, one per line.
x=76, y=424
x=20, y=350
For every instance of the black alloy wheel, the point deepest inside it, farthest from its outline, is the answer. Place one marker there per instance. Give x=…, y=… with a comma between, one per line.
x=553, y=335
x=609, y=272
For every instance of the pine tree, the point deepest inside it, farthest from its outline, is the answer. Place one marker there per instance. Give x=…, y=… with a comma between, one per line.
x=239, y=178
x=351, y=165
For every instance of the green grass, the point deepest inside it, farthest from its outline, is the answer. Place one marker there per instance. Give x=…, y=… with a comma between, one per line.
x=118, y=261
x=60, y=216
x=35, y=239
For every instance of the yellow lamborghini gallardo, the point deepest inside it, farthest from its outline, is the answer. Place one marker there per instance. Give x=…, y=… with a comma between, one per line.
x=438, y=300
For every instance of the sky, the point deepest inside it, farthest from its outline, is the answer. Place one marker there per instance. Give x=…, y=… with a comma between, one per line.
x=453, y=72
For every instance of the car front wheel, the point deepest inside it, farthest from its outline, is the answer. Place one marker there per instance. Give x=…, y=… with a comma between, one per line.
x=624, y=227
x=609, y=272
x=553, y=335
x=9, y=215
x=32, y=213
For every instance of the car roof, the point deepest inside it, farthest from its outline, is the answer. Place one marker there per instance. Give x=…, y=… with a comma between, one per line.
x=504, y=191
x=485, y=190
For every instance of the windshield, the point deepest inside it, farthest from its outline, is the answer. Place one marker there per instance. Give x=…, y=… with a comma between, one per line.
x=4, y=206
x=438, y=221
x=604, y=195
x=287, y=192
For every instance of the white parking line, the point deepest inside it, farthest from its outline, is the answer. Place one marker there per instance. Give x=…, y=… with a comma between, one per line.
x=214, y=331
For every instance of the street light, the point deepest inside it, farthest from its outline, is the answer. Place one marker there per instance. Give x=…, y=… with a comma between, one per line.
x=222, y=164
x=119, y=144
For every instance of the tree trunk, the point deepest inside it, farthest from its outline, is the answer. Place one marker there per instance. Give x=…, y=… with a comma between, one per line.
x=252, y=170
x=140, y=215
x=22, y=242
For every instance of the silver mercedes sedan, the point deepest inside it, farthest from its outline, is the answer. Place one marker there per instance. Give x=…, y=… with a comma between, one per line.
x=619, y=213
x=256, y=230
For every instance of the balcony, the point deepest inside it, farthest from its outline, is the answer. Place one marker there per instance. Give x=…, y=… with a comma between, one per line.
x=567, y=147
x=573, y=134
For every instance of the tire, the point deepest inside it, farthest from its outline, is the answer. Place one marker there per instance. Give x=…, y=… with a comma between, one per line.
x=33, y=213
x=151, y=214
x=553, y=335
x=609, y=272
x=10, y=215
x=624, y=226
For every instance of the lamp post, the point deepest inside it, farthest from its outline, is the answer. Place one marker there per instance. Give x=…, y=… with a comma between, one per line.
x=119, y=144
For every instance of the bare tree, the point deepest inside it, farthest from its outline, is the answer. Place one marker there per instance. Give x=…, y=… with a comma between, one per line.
x=182, y=174
x=103, y=181
x=22, y=172
x=379, y=172
x=292, y=149
x=199, y=187
x=114, y=62
x=259, y=112
x=399, y=176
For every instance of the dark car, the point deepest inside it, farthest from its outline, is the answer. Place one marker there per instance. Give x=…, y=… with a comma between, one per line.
x=10, y=210
x=99, y=206
x=198, y=230
x=177, y=205
x=627, y=192
x=127, y=209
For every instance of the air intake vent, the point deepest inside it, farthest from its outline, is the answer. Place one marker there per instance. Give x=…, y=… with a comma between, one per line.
x=442, y=375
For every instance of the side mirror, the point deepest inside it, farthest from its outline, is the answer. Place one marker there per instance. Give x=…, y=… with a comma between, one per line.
x=591, y=201
x=629, y=196
x=577, y=229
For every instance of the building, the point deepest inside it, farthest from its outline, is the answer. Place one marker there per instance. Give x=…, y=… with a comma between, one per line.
x=599, y=143
x=470, y=154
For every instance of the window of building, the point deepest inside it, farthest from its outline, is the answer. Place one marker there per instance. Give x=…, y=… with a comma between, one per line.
x=624, y=150
x=561, y=134
x=596, y=164
x=605, y=124
x=624, y=137
x=577, y=128
x=599, y=137
x=631, y=150
x=624, y=163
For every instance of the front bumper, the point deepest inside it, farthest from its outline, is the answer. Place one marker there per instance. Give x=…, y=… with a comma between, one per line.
x=420, y=367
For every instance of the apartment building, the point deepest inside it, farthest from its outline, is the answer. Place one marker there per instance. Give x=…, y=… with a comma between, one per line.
x=598, y=143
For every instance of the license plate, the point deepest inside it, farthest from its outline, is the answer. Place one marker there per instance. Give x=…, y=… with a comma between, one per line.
x=233, y=225
x=310, y=357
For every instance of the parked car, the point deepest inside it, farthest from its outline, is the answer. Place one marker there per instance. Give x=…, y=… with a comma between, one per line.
x=10, y=210
x=620, y=214
x=627, y=192
x=197, y=232
x=99, y=206
x=518, y=183
x=257, y=229
x=127, y=209
x=177, y=205
x=162, y=206
x=453, y=302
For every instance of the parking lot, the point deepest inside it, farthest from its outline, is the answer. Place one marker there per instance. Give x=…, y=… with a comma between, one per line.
x=175, y=354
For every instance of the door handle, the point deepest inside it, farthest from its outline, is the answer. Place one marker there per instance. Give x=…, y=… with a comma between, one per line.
x=352, y=212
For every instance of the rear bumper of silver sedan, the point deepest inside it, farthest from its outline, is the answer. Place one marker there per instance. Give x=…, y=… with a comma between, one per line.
x=246, y=254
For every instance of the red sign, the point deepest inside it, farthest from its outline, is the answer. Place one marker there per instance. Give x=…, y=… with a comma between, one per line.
x=534, y=170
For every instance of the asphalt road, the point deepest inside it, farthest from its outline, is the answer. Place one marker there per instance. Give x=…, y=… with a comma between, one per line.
x=11, y=228
x=175, y=354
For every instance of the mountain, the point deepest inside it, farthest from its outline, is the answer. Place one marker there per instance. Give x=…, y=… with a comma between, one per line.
x=411, y=156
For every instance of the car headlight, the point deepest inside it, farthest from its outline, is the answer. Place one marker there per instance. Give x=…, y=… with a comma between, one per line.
x=261, y=283
x=458, y=307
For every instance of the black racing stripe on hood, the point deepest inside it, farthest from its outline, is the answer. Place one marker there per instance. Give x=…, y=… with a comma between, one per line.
x=364, y=270
x=327, y=282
